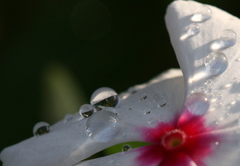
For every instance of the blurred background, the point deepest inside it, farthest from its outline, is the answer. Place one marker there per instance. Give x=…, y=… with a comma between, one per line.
x=55, y=53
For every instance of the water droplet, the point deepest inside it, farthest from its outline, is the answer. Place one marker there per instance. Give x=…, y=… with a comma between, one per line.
x=147, y=112
x=67, y=118
x=227, y=39
x=201, y=14
x=102, y=126
x=104, y=97
x=143, y=97
x=161, y=102
x=216, y=63
x=86, y=110
x=237, y=60
x=41, y=128
x=197, y=103
x=151, y=121
x=190, y=31
x=217, y=143
x=126, y=148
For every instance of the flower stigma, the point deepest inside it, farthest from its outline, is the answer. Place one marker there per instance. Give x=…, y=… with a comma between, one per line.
x=173, y=139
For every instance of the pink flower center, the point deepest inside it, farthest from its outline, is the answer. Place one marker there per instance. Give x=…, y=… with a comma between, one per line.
x=185, y=140
x=173, y=139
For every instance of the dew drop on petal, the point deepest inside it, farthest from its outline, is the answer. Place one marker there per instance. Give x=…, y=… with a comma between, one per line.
x=104, y=97
x=197, y=103
x=102, y=126
x=190, y=31
x=216, y=63
x=161, y=102
x=67, y=118
x=237, y=60
x=227, y=39
x=201, y=14
x=41, y=128
x=147, y=112
x=86, y=110
x=126, y=148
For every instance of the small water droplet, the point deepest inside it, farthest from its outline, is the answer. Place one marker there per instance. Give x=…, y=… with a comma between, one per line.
x=216, y=63
x=147, y=112
x=143, y=97
x=67, y=118
x=227, y=39
x=217, y=143
x=41, y=128
x=102, y=126
x=104, y=97
x=161, y=102
x=151, y=121
x=86, y=110
x=201, y=14
x=190, y=31
x=126, y=148
x=237, y=60
x=197, y=103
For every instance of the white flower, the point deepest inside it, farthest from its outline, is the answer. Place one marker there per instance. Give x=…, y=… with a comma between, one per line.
x=189, y=122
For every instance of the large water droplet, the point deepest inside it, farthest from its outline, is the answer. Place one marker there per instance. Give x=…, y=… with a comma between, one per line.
x=202, y=13
x=197, y=103
x=190, y=31
x=86, y=110
x=102, y=126
x=104, y=97
x=126, y=148
x=216, y=63
x=227, y=39
x=41, y=128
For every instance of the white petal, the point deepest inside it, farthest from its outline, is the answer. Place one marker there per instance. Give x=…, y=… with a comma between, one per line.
x=67, y=143
x=222, y=90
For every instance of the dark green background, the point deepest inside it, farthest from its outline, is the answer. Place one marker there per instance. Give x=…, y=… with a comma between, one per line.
x=114, y=43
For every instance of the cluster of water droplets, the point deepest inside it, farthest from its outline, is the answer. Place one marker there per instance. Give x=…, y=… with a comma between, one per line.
x=201, y=14
x=216, y=62
x=102, y=121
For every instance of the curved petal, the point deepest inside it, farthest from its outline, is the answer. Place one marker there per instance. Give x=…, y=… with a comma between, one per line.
x=192, y=53
x=193, y=50
x=67, y=143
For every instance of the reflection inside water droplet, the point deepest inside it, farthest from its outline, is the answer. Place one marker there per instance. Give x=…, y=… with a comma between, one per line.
x=126, y=148
x=104, y=97
x=86, y=110
x=216, y=63
x=197, y=103
x=190, y=31
x=202, y=13
x=41, y=128
x=227, y=39
x=102, y=126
